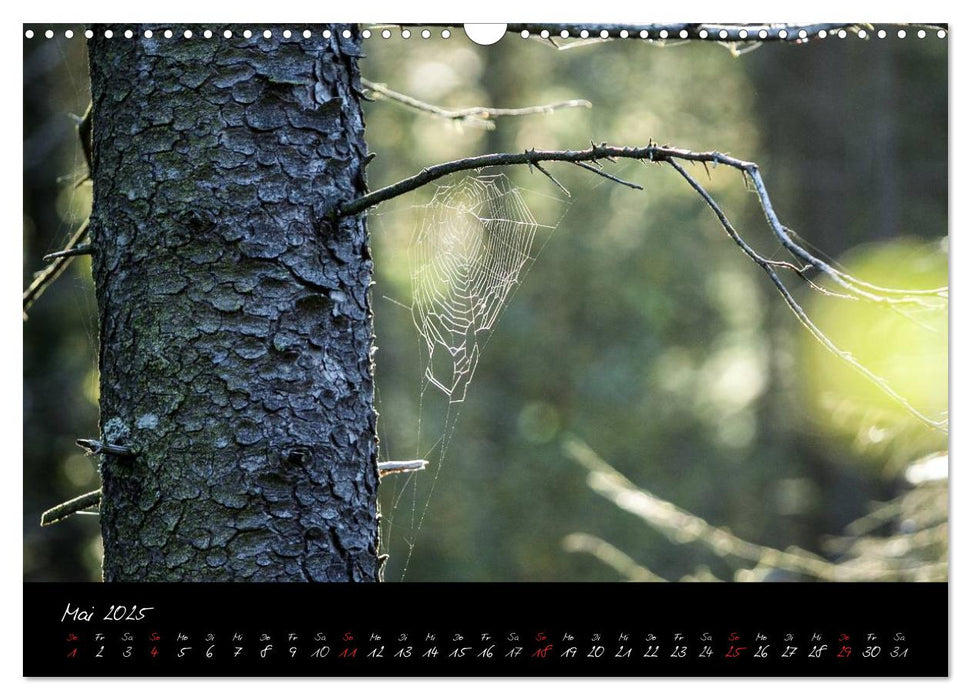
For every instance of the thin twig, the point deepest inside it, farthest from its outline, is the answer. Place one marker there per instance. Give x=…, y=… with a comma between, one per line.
x=69, y=508
x=70, y=252
x=607, y=175
x=841, y=278
x=555, y=181
x=404, y=467
x=50, y=273
x=530, y=157
x=477, y=116
x=96, y=447
x=656, y=154
x=794, y=306
x=680, y=525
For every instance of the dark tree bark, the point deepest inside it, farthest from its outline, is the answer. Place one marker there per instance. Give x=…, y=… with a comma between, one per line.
x=235, y=323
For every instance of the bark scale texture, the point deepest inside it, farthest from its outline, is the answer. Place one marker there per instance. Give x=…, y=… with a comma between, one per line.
x=235, y=323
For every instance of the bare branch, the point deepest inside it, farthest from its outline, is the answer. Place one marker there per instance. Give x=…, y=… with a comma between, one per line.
x=607, y=175
x=475, y=116
x=681, y=527
x=530, y=157
x=856, y=289
x=50, y=273
x=69, y=508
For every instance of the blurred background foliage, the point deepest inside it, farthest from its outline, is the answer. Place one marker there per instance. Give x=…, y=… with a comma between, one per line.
x=640, y=332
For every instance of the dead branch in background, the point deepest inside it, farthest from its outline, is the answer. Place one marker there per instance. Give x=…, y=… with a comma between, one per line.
x=870, y=561
x=85, y=249
x=474, y=116
x=608, y=554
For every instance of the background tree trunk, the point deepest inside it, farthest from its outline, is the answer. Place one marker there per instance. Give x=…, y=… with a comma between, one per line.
x=236, y=335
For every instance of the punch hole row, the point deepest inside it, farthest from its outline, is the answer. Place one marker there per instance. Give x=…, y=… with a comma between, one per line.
x=246, y=34
x=406, y=33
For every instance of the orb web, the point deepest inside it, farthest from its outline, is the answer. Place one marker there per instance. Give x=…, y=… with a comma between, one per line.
x=470, y=248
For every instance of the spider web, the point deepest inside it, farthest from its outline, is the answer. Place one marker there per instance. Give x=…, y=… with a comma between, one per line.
x=471, y=246
x=469, y=252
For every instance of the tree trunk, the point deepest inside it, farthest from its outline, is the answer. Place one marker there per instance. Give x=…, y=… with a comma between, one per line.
x=235, y=322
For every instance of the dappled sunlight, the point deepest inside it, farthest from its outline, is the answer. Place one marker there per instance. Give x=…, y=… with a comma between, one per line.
x=905, y=345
